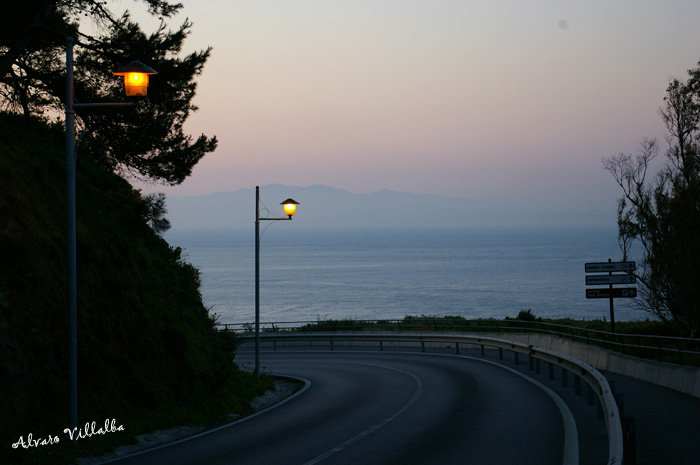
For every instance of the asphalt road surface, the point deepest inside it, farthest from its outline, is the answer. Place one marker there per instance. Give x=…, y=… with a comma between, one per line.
x=388, y=408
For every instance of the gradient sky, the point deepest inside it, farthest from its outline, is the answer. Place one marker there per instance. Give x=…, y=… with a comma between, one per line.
x=508, y=100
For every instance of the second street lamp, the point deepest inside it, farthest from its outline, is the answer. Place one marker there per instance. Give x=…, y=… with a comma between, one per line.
x=290, y=207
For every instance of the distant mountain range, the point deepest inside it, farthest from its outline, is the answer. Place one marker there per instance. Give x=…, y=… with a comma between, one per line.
x=323, y=206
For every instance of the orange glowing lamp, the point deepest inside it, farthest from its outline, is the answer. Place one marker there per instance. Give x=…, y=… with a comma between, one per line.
x=290, y=207
x=135, y=78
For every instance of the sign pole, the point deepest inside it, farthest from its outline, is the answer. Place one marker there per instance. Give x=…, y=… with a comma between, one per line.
x=612, y=307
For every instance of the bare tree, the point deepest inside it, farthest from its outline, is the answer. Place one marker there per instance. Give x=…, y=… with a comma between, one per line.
x=663, y=213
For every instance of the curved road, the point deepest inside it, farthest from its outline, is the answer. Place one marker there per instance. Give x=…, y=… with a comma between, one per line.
x=386, y=408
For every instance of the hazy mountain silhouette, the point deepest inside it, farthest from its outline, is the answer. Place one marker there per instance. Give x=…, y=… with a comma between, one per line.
x=323, y=206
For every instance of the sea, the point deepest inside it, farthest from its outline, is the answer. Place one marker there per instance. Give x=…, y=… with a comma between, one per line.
x=309, y=274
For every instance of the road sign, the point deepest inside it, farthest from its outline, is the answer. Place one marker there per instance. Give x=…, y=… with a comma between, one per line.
x=603, y=267
x=595, y=280
x=611, y=293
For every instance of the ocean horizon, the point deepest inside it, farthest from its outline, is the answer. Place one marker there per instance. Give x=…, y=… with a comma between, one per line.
x=311, y=274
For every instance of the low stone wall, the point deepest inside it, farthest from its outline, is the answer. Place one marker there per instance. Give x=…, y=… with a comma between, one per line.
x=678, y=377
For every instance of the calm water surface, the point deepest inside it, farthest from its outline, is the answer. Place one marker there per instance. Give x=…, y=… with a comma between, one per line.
x=310, y=274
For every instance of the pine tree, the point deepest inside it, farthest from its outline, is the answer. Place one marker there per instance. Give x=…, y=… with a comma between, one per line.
x=146, y=142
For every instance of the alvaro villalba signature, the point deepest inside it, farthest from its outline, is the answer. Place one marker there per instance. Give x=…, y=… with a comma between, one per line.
x=90, y=429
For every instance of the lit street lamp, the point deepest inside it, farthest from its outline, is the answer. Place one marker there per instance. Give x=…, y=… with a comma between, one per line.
x=136, y=78
x=290, y=207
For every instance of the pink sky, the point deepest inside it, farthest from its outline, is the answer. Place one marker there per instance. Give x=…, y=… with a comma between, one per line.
x=507, y=100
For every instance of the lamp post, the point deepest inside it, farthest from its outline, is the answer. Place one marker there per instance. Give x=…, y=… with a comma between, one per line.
x=289, y=210
x=71, y=216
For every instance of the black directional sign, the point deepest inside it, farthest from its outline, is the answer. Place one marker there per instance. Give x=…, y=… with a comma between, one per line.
x=629, y=292
x=598, y=279
x=604, y=267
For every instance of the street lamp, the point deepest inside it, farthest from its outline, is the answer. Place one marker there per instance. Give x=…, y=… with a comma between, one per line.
x=135, y=78
x=290, y=207
x=70, y=207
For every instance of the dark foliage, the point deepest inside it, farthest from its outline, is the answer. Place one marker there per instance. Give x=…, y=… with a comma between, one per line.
x=663, y=214
x=146, y=142
x=156, y=213
x=145, y=340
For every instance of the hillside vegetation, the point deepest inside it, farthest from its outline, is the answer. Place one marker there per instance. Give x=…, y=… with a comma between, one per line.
x=148, y=351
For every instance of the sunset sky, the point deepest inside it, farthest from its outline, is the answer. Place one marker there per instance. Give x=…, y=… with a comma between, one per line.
x=516, y=101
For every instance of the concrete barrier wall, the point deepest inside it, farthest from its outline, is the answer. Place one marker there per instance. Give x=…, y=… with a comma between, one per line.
x=678, y=377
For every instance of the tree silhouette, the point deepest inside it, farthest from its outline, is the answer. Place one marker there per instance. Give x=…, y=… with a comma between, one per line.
x=146, y=142
x=663, y=214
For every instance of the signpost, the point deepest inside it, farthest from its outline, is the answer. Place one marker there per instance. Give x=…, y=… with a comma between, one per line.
x=605, y=267
x=611, y=293
x=595, y=280
x=624, y=276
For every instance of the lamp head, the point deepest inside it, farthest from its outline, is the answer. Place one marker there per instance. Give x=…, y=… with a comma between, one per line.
x=290, y=207
x=135, y=78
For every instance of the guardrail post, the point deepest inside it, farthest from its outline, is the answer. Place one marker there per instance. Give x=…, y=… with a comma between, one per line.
x=422, y=346
x=381, y=346
x=457, y=348
x=500, y=353
x=629, y=441
x=482, y=351
x=531, y=362
x=332, y=346
x=577, y=385
x=564, y=377
x=517, y=359
x=620, y=400
x=274, y=346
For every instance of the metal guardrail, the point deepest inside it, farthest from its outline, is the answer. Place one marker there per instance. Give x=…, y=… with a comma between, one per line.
x=661, y=348
x=593, y=377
